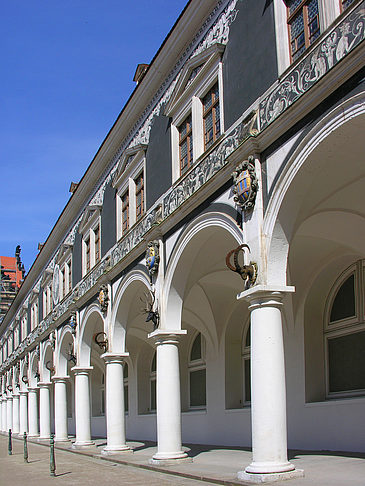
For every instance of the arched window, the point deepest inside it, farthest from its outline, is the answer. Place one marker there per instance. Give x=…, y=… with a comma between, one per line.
x=344, y=332
x=246, y=362
x=153, y=384
x=125, y=381
x=197, y=373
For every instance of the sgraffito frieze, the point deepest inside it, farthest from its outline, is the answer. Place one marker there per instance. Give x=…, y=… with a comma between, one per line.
x=334, y=47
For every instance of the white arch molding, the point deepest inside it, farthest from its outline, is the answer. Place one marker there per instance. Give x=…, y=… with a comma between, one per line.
x=118, y=322
x=91, y=319
x=176, y=278
x=276, y=241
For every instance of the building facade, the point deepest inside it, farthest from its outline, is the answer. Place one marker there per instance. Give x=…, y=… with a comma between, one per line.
x=205, y=282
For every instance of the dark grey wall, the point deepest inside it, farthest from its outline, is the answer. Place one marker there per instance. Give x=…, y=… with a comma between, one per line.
x=249, y=61
x=108, y=220
x=158, y=160
x=40, y=305
x=77, y=259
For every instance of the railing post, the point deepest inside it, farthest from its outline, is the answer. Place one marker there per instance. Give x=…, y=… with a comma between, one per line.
x=10, y=449
x=25, y=447
x=52, y=463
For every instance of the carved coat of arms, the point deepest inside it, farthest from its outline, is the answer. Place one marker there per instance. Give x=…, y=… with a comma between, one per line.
x=103, y=298
x=245, y=184
x=152, y=257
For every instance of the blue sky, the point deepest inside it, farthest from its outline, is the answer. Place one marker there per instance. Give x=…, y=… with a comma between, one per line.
x=67, y=70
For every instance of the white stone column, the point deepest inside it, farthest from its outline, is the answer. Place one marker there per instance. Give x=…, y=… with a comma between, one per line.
x=115, y=407
x=268, y=393
x=169, y=447
x=33, y=412
x=60, y=408
x=16, y=413
x=23, y=412
x=82, y=407
x=44, y=410
x=4, y=413
x=9, y=413
x=1, y=414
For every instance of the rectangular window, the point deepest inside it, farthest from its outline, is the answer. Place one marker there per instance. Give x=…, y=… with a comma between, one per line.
x=125, y=212
x=303, y=24
x=97, y=244
x=139, y=196
x=185, y=145
x=198, y=388
x=69, y=269
x=211, y=116
x=87, y=254
x=346, y=362
x=63, y=279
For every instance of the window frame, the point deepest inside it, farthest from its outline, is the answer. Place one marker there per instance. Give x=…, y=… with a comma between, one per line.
x=345, y=326
x=197, y=365
x=303, y=6
x=131, y=165
x=91, y=222
x=187, y=99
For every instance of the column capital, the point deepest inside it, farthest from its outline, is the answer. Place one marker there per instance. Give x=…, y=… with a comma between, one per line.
x=44, y=384
x=32, y=388
x=114, y=357
x=23, y=392
x=162, y=336
x=82, y=370
x=263, y=295
x=60, y=379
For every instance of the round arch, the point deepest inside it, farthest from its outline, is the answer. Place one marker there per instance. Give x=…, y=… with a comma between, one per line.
x=132, y=284
x=192, y=244
x=65, y=344
x=314, y=172
x=92, y=322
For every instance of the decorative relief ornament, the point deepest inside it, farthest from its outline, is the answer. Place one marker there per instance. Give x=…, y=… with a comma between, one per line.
x=73, y=322
x=248, y=273
x=245, y=184
x=37, y=351
x=52, y=339
x=103, y=298
x=152, y=257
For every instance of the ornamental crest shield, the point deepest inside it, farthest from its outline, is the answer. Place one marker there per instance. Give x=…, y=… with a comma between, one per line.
x=103, y=298
x=152, y=257
x=245, y=184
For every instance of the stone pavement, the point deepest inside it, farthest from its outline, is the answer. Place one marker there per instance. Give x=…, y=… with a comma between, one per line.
x=211, y=464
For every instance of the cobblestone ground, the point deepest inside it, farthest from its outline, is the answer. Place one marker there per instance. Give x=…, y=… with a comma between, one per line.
x=74, y=469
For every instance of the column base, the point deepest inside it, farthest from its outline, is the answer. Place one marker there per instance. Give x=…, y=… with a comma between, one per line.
x=33, y=436
x=62, y=440
x=166, y=459
x=83, y=445
x=258, y=478
x=44, y=437
x=109, y=450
